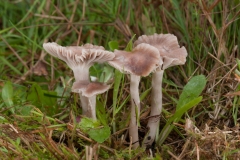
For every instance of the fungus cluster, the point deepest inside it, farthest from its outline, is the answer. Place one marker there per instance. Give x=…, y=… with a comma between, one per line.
x=171, y=55
x=141, y=61
x=151, y=54
x=80, y=59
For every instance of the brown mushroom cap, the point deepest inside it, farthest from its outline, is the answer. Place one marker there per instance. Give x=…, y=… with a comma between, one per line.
x=168, y=47
x=141, y=61
x=89, y=89
x=77, y=55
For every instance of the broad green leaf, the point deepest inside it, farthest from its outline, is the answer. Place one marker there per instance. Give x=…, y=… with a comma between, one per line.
x=7, y=95
x=25, y=110
x=179, y=112
x=45, y=100
x=175, y=118
x=113, y=45
x=49, y=98
x=35, y=95
x=192, y=90
x=88, y=123
x=20, y=92
x=100, y=134
x=188, y=99
x=3, y=149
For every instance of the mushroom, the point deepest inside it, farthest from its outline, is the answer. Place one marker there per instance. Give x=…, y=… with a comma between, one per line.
x=80, y=59
x=89, y=89
x=172, y=55
x=141, y=61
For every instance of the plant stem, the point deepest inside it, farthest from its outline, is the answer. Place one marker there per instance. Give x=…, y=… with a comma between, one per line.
x=135, y=110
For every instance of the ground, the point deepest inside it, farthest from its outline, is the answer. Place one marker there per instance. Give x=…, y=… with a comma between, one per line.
x=40, y=118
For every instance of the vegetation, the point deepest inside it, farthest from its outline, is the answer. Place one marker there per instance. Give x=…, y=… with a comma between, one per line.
x=40, y=116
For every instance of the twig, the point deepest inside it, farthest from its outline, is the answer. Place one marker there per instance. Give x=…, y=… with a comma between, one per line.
x=169, y=152
x=50, y=17
x=73, y=13
x=197, y=150
x=184, y=149
x=65, y=18
x=14, y=52
x=82, y=18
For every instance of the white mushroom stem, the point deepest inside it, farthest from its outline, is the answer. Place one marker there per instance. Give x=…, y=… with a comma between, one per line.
x=88, y=103
x=156, y=107
x=135, y=110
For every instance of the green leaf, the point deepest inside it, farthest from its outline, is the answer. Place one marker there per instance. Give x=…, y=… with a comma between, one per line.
x=18, y=140
x=92, y=128
x=123, y=103
x=237, y=72
x=35, y=95
x=117, y=81
x=179, y=112
x=2, y=119
x=238, y=63
x=7, y=95
x=188, y=99
x=192, y=90
x=100, y=134
x=101, y=113
x=5, y=61
x=130, y=44
x=145, y=93
x=25, y=110
x=113, y=45
x=88, y=123
x=3, y=149
x=49, y=98
x=45, y=100
x=106, y=74
x=175, y=118
x=20, y=92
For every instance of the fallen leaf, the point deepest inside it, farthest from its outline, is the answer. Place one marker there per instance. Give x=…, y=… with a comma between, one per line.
x=40, y=69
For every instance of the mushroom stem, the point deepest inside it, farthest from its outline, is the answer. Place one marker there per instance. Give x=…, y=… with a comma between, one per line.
x=156, y=107
x=91, y=112
x=88, y=106
x=81, y=73
x=88, y=103
x=135, y=110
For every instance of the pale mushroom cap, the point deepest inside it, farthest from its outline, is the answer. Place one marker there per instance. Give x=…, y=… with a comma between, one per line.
x=141, y=61
x=89, y=89
x=168, y=47
x=79, y=55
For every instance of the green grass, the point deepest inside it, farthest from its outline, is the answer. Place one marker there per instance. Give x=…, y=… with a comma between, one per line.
x=38, y=113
